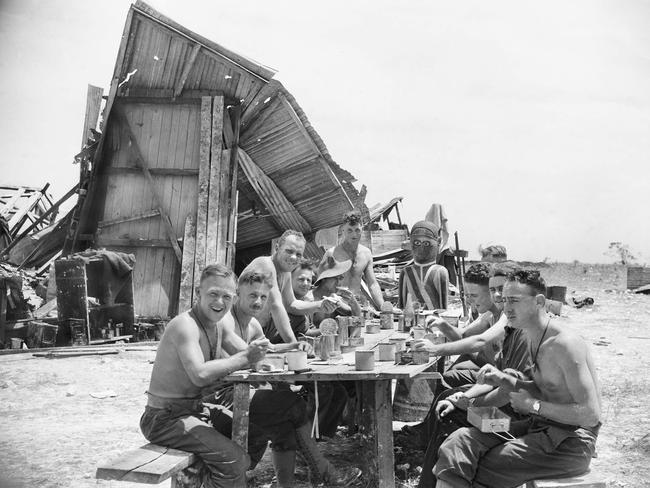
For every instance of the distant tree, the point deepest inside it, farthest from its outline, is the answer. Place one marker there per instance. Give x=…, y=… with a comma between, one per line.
x=621, y=252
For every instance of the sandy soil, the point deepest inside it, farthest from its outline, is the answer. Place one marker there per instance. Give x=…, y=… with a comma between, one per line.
x=54, y=433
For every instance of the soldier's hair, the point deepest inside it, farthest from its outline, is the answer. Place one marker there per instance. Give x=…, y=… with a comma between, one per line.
x=479, y=274
x=505, y=268
x=288, y=233
x=218, y=270
x=530, y=277
x=306, y=264
x=249, y=277
x=353, y=217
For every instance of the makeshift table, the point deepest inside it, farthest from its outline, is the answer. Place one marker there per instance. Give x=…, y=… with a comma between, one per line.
x=376, y=404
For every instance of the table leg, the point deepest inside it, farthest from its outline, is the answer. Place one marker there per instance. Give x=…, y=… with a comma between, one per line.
x=378, y=416
x=240, y=414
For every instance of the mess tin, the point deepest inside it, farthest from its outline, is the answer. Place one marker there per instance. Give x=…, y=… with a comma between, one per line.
x=386, y=351
x=297, y=360
x=364, y=360
x=372, y=328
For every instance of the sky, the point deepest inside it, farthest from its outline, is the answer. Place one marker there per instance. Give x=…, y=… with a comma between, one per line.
x=529, y=121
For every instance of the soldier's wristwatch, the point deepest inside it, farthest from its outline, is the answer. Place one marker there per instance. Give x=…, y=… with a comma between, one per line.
x=536, y=406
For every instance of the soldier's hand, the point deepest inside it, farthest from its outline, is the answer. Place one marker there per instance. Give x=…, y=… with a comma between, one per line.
x=521, y=401
x=306, y=346
x=444, y=408
x=423, y=345
x=256, y=350
x=490, y=375
x=328, y=305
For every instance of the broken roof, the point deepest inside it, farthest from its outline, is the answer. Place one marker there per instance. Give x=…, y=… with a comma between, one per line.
x=161, y=59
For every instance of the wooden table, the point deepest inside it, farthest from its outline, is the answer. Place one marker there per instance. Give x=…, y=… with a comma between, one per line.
x=376, y=402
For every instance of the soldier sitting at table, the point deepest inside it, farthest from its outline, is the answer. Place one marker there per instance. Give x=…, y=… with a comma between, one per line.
x=331, y=274
x=562, y=399
x=191, y=359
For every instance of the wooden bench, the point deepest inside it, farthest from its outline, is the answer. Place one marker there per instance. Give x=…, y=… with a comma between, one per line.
x=590, y=479
x=149, y=464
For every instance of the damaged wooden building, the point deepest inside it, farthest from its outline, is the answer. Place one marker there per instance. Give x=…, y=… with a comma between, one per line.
x=202, y=157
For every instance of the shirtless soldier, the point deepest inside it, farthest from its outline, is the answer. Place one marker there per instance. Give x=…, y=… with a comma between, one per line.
x=562, y=399
x=360, y=256
x=188, y=360
x=286, y=257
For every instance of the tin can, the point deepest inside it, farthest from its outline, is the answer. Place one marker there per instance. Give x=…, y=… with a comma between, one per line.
x=400, y=323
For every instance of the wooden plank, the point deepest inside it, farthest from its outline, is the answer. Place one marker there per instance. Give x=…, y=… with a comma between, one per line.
x=181, y=153
x=185, y=295
x=93, y=107
x=140, y=216
x=135, y=150
x=281, y=209
x=131, y=242
x=241, y=404
x=150, y=464
x=204, y=185
x=232, y=200
x=178, y=89
x=45, y=309
x=154, y=171
x=219, y=173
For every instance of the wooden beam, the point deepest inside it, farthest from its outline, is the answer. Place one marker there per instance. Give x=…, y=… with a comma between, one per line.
x=140, y=94
x=132, y=242
x=116, y=170
x=280, y=208
x=204, y=184
x=178, y=89
x=219, y=174
x=121, y=220
x=93, y=108
x=186, y=291
x=135, y=150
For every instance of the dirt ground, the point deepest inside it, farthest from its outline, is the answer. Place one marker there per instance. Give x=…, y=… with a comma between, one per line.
x=54, y=432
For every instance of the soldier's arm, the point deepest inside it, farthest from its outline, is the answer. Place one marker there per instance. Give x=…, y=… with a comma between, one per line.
x=201, y=372
x=373, y=284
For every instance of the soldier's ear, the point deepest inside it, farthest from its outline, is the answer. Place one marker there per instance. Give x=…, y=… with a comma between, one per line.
x=540, y=300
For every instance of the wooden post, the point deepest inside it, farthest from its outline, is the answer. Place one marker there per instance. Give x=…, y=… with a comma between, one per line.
x=218, y=173
x=230, y=239
x=378, y=413
x=204, y=186
x=241, y=404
